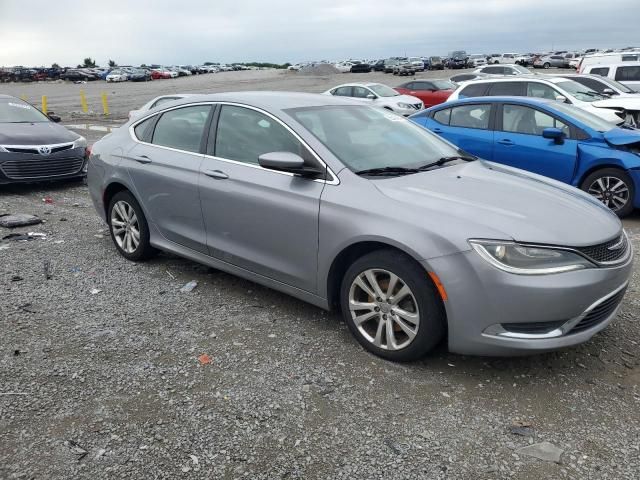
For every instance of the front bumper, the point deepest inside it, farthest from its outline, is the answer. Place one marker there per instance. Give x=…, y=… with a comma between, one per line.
x=482, y=299
x=31, y=168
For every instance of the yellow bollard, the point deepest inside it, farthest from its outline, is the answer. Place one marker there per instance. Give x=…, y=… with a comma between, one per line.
x=83, y=102
x=44, y=104
x=105, y=105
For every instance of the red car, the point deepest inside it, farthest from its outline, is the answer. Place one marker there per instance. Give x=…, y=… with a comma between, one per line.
x=431, y=92
x=158, y=74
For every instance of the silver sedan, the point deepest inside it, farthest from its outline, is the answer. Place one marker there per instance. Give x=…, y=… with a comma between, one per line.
x=350, y=207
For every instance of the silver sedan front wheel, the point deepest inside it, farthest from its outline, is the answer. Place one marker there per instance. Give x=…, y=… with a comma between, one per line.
x=384, y=309
x=125, y=226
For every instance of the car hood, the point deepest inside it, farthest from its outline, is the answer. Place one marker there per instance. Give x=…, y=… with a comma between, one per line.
x=487, y=200
x=622, y=136
x=45, y=133
x=628, y=103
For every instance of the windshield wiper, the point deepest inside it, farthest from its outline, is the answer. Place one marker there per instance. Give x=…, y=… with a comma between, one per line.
x=387, y=171
x=441, y=161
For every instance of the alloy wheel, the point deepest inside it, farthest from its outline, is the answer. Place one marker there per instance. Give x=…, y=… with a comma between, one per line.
x=384, y=309
x=611, y=191
x=125, y=226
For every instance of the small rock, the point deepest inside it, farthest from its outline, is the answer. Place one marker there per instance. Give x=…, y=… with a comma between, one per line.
x=544, y=451
x=188, y=287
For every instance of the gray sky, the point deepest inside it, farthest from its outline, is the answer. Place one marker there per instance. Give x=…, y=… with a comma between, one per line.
x=40, y=32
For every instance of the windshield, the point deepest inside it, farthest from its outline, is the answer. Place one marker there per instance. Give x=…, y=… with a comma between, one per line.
x=588, y=118
x=17, y=111
x=443, y=85
x=579, y=91
x=616, y=85
x=383, y=90
x=363, y=137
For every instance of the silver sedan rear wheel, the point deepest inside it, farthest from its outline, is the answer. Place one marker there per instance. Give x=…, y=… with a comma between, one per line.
x=384, y=309
x=125, y=226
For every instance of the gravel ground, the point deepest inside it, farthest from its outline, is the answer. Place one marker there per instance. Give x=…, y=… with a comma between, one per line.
x=102, y=373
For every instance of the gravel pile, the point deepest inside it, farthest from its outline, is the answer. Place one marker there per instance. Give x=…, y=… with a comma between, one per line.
x=318, y=69
x=109, y=370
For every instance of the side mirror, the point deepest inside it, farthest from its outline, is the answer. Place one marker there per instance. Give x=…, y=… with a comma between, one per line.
x=53, y=118
x=554, y=134
x=561, y=98
x=287, y=162
x=608, y=91
x=371, y=96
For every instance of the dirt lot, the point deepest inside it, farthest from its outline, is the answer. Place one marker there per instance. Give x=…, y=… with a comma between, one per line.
x=100, y=374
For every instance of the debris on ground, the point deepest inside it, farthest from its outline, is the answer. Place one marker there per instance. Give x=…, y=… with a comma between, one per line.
x=188, y=287
x=18, y=220
x=204, y=359
x=48, y=200
x=47, y=269
x=16, y=278
x=76, y=449
x=16, y=237
x=544, y=451
x=524, y=429
x=95, y=291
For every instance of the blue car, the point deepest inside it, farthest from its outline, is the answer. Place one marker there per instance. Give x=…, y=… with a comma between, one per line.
x=546, y=137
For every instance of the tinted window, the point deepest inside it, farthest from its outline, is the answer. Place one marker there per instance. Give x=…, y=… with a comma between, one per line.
x=630, y=58
x=361, y=92
x=182, y=128
x=628, y=74
x=604, y=71
x=409, y=85
x=540, y=90
x=473, y=90
x=244, y=134
x=140, y=130
x=493, y=70
x=507, y=89
x=423, y=86
x=342, y=92
x=591, y=83
x=471, y=116
x=520, y=119
x=442, y=116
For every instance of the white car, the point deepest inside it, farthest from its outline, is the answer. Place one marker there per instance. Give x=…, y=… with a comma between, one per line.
x=343, y=67
x=117, y=76
x=476, y=60
x=379, y=95
x=504, y=58
x=417, y=63
x=607, y=58
x=503, y=70
x=553, y=88
x=151, y=104
x=627, y=73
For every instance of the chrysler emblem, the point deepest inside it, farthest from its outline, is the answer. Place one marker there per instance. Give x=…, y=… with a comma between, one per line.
x=44, y=150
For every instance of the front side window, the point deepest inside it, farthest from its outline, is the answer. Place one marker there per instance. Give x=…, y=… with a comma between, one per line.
x=243, y=134
x=471, y=116
x=529, y=121
x=182, y=128
x=628, y=74
x=361, y=92
x=541, y=90
x=383, y=91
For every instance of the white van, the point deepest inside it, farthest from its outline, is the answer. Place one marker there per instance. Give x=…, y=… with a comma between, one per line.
x=611, y=57
x=627, y=73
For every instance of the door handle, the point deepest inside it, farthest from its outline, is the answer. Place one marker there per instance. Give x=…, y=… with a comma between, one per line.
x=506, y=142
x=142, y=159
x=437, y=130
x=216, y=174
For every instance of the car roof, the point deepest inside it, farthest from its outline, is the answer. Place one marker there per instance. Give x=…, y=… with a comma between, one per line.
x=519, y=78
x=613, y=64
x=268, y=100
x=499, y=99
x=357, y=84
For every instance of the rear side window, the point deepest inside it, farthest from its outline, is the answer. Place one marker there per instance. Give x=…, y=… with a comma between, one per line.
x=602, y=71
x=182, y=128
x=342, y=92
x=507, y=89
x=473, y=90
x=142, y=130
x=628, y=74
x=630, y=58
x=244, y=134
x=471, y=116
x=442, y=116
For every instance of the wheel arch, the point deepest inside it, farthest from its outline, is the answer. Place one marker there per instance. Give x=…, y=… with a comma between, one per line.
x=350, y=254
x=600, y=166
x=110, y=191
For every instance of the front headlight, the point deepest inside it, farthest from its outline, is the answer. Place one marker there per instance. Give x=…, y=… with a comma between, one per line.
x=404, y=105
x=80, y=143
x=528, y=260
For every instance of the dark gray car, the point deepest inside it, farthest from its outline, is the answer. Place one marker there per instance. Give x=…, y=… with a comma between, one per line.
x=33, y=147
x=351, y=207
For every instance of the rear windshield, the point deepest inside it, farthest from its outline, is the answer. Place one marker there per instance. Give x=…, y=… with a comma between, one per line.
x=17, y=111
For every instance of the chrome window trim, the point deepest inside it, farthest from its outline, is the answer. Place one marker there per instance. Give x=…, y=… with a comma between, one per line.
x=334, y=178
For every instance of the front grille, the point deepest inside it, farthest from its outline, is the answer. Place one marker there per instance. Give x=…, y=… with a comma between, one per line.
x=533, y=327
x=32, y=150
x=41, y=167
x=600, y=312
x=603, y=253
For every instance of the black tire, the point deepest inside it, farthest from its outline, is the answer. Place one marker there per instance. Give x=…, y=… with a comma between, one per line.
x=618, y=174
x=144, y=250
x=432, y=323
x=546, y=66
